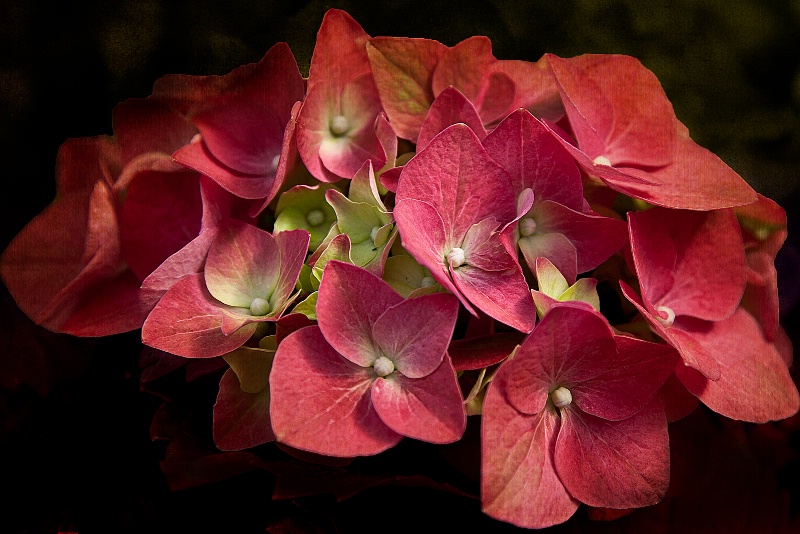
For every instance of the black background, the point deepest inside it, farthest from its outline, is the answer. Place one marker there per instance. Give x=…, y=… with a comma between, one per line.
x=75, y=451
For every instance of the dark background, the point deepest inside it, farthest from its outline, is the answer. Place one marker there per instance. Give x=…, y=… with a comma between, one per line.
x=75, y=450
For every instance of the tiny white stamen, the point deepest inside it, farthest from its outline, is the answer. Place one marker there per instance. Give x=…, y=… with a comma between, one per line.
x=259, y=306
x=275, y=162
x=602, y=160
x=315, y=217
x=427, y=281
x=456, y=257
x=383, y=366
x=527, y=226
x=561, y=397
x=670, y=315
x=339, y=125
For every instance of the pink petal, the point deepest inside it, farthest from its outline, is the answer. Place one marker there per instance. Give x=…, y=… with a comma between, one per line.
x=477, y=353
x=626, y=380
x=188, y=322
x=483, y=248
x=464, y=66
x=292, y=246
x=503, y=295
x=241, y=419
x=683, y=335
x=429, y=408
x=243, y=263
x=414, y=333
x=449, y=108
x=535, y=159
x=616, y=109
x=620, y=464
x=555, y=247
x=754, y=383
x=469, y=187
x=340, y=52
x=350, y=302
x=403, y=70
x=321, y=401
x=519, y=483
x=708, y=264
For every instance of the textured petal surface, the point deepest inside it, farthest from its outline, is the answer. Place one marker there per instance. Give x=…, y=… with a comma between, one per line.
x=429, y=408
x=450, y=107
x=321, y=401
x=241, y=419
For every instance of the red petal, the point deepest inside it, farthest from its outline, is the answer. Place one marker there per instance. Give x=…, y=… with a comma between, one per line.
x=350, y=302
x=321, y=401
x=241, y=420
x=503, y=295
x=449, y=108
x=754, y=383
x=619, y=464
x=414, y=333
x=519, y=483
x=429, y=408
x=188, y=322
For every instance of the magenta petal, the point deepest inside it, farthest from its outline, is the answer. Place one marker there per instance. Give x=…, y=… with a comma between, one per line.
x=708, y=266
x=188, y=322
x=241, y=419
x=754, y=383
x=519, y=483
x=429, y=408
x=293, y=246
x=243, y=263
x=321, y=401
x=449, y=108
x=619, y=464
x=350, y=302
x=535, y=159
x=414, y=333
x=503, y=295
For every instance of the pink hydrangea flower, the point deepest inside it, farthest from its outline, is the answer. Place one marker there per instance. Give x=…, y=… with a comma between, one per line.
x=374, y=370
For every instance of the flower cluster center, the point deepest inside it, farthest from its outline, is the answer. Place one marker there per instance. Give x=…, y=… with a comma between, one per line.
x=339, y=125
x=665, y=315
x=259, y=306
x=315, y=217
x=527, y=226
x=383, y=366
x=561, y=397
x=456, y=257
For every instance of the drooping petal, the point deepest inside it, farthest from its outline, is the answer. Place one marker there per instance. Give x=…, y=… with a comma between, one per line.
x=754, y=383
x=187, y=321
x=414, y=333
x=619, y=464
x=241, y=419
x=350, y=302
x=321, y=400
x=429, y=408
x=519, y=483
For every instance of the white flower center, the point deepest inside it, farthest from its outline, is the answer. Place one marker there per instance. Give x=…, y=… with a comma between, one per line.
x=315, y=217
x=670, y=315
x=427, y=281
x=259, y=306
x=383, y=366
x=339, y=125
x=456, y=257
x=561, y=397
x=527, y=226
x=602, y=160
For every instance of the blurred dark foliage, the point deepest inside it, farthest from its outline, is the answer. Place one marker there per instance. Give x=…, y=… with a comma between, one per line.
x=75, y=447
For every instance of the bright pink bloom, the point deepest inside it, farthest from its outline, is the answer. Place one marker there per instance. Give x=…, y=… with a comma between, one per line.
x=452, y=203
x=559, y=226
x=573, y=417
x=627, y=135
x=337, y=126
x=692, y=275
x=249, y=277
x=241, y=144
x=374, y=370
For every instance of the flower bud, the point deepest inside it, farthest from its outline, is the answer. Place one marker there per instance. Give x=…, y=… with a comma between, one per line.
x=527, y=226
x=259, y=306
x=561, y=397
x=665, y=311
x=339, y=125
x=383, y=366
x=456, y=257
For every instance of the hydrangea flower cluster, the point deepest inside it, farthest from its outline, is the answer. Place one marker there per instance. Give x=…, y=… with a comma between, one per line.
x=415, y=234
